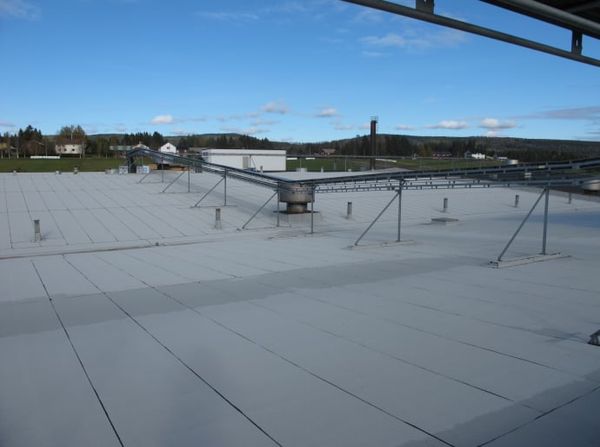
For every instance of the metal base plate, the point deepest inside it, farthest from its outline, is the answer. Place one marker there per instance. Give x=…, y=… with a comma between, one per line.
x=526, y=260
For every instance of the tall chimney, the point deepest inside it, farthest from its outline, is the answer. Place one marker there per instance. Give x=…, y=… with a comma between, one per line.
x=373, y=141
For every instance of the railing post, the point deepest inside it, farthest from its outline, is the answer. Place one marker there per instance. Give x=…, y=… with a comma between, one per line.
x=349, y=210
x=516, y=200
x=547, y=198
x=399, y=210
x=225, y=188
x=278, y=204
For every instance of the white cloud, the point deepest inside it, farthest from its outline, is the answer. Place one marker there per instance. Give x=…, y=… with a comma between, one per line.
x=7, y=124
x=327, y=112
x=491, y=133
x=450, y=125
x=228, y=16
x=162, y=119
x=253, y=130
x=373, y=54
x=275, y=107
x=496, y=124
x=341, y=126
x=369, y=16
x=263, y=122
x=414, y=40
x=404, y=127
x=19, y=9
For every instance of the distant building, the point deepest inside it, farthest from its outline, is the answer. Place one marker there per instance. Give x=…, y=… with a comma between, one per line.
x=475, y=155
x=254, y=159
x=140, y=146
x=328, y=151
x=442, y=154
x=69, y=149
x=168, y=148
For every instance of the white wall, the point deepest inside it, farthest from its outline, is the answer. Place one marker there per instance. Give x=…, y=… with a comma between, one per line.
x=168, y=148
x=247, y=158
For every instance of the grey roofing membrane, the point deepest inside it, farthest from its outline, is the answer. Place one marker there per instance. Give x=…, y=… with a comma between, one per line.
x=135, y=322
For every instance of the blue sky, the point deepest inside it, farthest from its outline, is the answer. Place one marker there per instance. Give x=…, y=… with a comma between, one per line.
x=307, y=70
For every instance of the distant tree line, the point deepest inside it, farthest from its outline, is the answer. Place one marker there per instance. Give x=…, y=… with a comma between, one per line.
x=31, y=141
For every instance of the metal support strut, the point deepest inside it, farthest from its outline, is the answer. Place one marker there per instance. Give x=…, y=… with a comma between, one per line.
x=173, y=181
x=260, y=209
x=396, y=196
x=207, y=193
x=546, y=193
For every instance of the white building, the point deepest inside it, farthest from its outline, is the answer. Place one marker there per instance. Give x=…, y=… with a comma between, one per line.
x=255, y=159
x=69, y=149
x=168, y=148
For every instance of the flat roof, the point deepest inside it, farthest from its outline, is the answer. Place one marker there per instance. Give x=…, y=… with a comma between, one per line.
x=135, y=322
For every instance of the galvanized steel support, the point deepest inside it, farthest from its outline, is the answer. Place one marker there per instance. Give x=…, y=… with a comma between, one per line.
x=547, y=190
x=399, y=211
x=546, y=193
x=376, y=219
x=278, y=200
x=173, y=181
x=312, y=212
x=260, y=209
x=207, y=193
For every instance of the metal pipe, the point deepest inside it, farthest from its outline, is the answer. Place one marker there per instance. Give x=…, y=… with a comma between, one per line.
x=545, y=220
x=189, y=179
x=218, y=219
x=521, y=226
x=349, y=210
x=37, y=232
x=473, y=29
x=570, y=197
x=516, y=200
x=445, y=204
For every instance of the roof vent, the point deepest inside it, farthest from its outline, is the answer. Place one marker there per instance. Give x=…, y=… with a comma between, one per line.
x=595, y=338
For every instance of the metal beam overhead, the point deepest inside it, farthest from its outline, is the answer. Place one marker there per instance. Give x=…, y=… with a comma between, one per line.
x=559, y=17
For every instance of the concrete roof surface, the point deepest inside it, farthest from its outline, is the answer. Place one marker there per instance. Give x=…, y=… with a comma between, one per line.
x=135, y=322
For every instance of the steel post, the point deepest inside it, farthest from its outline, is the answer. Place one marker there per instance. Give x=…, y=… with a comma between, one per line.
x=278, y=205
x=225, y=188
x=312, y=212
x=547, y=190
x=189, y=179
x=349, y=210
x=516, y=200
x=399, y=210
x=521, y=226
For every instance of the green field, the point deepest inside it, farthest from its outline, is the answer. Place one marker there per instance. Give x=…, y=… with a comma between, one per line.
x=88, y=164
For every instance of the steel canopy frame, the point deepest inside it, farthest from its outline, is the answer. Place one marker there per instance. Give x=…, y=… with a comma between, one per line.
x=424, y=10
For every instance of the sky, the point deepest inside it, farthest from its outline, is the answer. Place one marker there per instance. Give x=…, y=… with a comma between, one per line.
x=298, y=71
